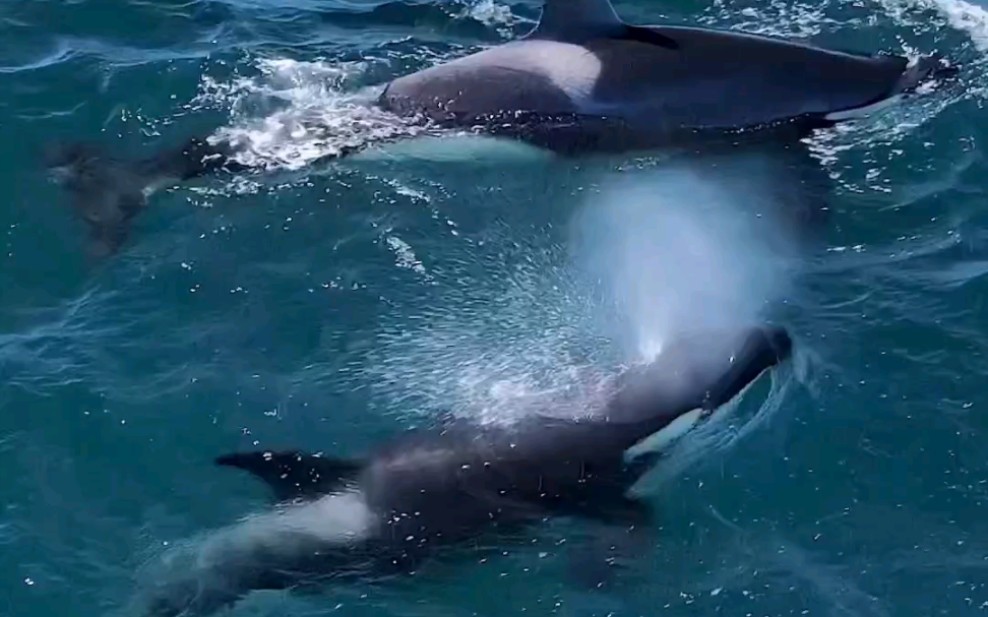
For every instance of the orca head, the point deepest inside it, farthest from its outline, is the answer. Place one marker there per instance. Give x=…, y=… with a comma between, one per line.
x=698, y=372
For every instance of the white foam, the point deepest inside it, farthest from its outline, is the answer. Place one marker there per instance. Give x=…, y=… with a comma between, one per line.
x=404, y=255
x=782, y=18
x=295, y=113
x=493, y=14
x=960, y=15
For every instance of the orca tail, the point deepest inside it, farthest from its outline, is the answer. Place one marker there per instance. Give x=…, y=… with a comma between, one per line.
x=104, y=192
x=107, y=192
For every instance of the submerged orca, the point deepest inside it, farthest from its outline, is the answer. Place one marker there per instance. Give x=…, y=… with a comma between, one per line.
x=582, y=81
x=387, y=513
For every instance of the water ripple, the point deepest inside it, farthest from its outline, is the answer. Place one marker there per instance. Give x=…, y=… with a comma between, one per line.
x=327, y=307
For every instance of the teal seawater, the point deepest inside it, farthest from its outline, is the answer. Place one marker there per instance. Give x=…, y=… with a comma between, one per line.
x=327, y=307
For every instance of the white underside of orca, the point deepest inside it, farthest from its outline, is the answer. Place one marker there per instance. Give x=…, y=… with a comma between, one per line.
x=334, y=519
x=861, y=112
x=454, y=148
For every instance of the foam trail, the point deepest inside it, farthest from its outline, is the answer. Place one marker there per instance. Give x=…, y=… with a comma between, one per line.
x=673, y=251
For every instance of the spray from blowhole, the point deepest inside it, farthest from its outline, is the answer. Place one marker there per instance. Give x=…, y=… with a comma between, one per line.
x=674, y=250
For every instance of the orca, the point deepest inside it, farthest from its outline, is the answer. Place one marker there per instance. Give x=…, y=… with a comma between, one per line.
x=388, y=513
x=582, y=81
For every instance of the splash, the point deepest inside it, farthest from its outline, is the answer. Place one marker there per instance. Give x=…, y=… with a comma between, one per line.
x=296, y=113
x=404, y=256
x=922, y=19
x=496, y=15
x=958, y=14
x=776, y=17
x=658, y=255
x=491, y=351
x=291, y=113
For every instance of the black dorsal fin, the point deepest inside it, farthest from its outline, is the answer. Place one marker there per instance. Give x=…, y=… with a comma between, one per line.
x=579, y=20
x=292, y=474
x=644, y=34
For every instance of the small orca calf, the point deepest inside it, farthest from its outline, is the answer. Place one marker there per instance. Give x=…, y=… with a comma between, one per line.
x=582, y=81
x=385, y=514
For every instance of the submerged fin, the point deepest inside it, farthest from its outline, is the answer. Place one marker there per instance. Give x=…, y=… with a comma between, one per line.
x=293, y=474
x=575, y=20
x=108, y=192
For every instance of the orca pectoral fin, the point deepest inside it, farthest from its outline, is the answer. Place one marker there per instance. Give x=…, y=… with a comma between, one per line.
x=291, y=474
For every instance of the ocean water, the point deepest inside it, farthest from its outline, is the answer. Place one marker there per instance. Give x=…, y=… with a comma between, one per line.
x=328, y=306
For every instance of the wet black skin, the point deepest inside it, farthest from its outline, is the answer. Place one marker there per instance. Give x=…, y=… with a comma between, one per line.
x=447, y=486
x=659, y=87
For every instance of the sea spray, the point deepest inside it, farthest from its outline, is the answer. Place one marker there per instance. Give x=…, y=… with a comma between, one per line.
x=677, y=249
x=688, y=247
